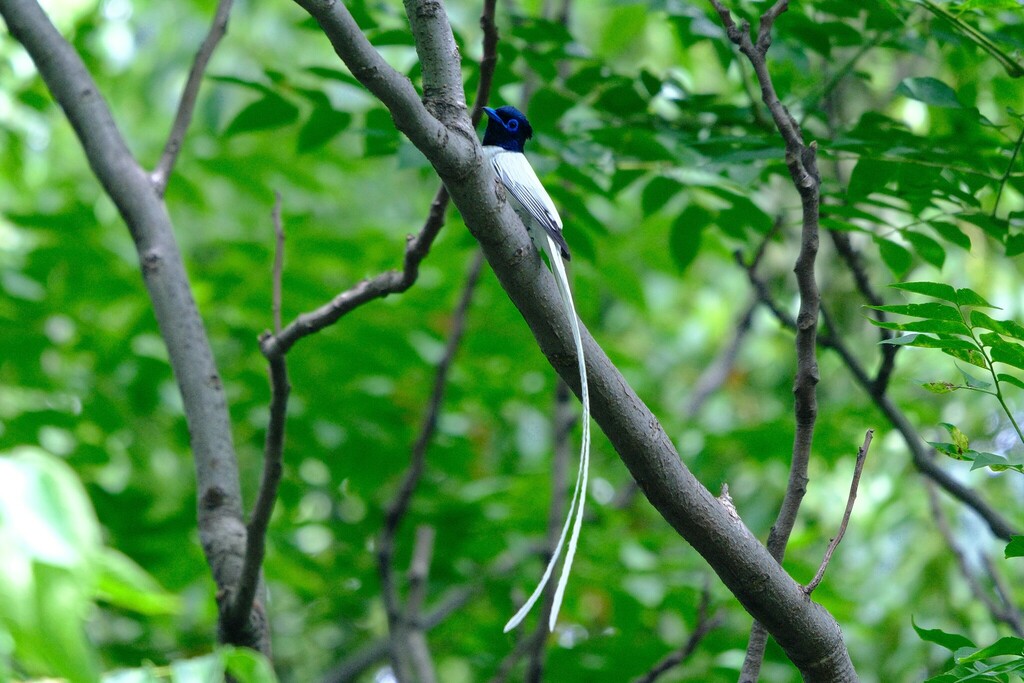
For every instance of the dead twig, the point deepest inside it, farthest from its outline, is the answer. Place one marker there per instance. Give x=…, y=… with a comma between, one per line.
x=858, y=468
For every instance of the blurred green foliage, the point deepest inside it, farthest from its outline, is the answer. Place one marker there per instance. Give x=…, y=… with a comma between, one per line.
x=662, y=167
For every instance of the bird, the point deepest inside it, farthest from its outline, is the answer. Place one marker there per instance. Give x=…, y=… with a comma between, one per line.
x=503, y=146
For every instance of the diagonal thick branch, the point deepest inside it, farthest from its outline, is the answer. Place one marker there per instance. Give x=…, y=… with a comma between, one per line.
x=417, y=247
x=805, y=630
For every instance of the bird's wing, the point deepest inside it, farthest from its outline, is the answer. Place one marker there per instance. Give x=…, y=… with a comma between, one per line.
x=517, y=175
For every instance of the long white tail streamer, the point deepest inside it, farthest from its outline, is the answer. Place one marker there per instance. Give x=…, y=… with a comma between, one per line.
x=575, y=513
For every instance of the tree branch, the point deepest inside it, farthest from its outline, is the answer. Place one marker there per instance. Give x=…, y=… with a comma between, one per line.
x=921, y=457
x=351, y=667
x=416, y=249
x=804, y=629
x=162, y=173
x=833, y=543
x=1005, y=612
x=415, y=634
x=399, y=506
x=705, y=624
x=273, y=453
x=219, y=513
x=457, y=154
x=802, y=164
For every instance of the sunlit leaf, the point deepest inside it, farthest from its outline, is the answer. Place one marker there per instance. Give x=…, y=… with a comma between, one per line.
x=1007, y=328
x=1007, y=645
x=936, y=290
x=930, y=91
x=930, y=310
x=940, y=387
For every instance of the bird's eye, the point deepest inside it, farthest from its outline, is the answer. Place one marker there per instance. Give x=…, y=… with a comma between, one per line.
x=512, y=126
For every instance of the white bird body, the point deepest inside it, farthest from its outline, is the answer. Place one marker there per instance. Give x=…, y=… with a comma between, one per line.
x=532, y=203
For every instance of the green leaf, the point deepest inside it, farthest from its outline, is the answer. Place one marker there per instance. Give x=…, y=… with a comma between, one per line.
x=243, y=82
x=971, y=356
x=930, y=91
x=127, y=585
x=950, y=641
x=952, y=234
x=959, y=438
x=968, y=297
x=926, y=247
x=1008, y=645
x=896, y=256
x=652, y=84
x=381, y=138
x=936, y=290
x=997, y=463
x=1007, y=328
x=941, y=387
x=323, y=124
x=1015, y=548
x=269, y=112
x=685, y=237
x=1008, y=353
x=905, y=340
x=658, y=193
x=926, y=325
x=248, y=666
x=972, y=382
x=51, y=539
x=949, y=449
x=1015, y=244
x=1010, y=379
x=930, y=310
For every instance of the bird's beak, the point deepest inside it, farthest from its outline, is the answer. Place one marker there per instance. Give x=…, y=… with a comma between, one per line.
x=492, y=114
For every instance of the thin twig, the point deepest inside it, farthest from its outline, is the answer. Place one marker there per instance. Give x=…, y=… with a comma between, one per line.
x=356, y=663
x=805, y=630
x=417, y=247
x=278, y=261
x=1011, y=613
x=706, y=622
x=1009, y=170
x=415, y=634
x=858, y=468
x=1003, y=610
x=855, y=264
x=802, y=164
x=162, y=173
x=273, y=454
x=399, y=506
x=366, y=656
x=920, y=456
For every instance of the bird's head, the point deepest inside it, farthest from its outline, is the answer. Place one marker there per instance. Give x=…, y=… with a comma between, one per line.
x=507, y=128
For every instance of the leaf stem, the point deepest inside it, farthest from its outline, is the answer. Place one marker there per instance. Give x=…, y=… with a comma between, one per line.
x=998, y=393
